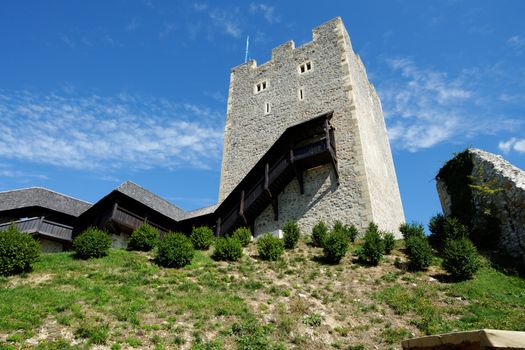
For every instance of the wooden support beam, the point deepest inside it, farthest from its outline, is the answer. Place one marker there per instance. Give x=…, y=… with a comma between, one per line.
x=267, y=180
x=301, y=180
x=275, y=206
x=40, y=222
x=218, y=227
x=298, y=174
x=241, y=209
x=241, y=206
x=327, y=133
x=115, y=207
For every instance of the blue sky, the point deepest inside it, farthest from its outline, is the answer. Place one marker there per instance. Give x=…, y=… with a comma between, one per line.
x=93, y=93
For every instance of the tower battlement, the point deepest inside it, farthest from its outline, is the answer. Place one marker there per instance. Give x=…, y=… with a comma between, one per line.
x=298, y=83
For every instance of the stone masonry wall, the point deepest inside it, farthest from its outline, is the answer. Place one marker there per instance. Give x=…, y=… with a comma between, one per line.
x=492, y=171
x=337, y=82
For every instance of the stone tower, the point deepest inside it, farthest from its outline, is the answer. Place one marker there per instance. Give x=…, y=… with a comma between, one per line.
x=295, y=85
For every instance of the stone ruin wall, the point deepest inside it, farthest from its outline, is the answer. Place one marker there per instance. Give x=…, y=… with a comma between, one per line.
x=509, y=199
x=368, y=187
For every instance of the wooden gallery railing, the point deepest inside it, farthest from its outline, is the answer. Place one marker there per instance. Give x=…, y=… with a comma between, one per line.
x=316, y=149
x=41, y=226
x=127, y=219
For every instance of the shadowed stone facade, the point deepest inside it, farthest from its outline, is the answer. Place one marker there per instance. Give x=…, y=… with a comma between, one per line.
x=498, y=185
x=290, y=93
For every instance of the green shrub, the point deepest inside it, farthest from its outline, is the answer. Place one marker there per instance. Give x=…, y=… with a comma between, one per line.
x=202, y=237
x=92, y=243
x=436, y=226
x=454, y=229
x=174, y=250
x=144, y=238
x=460, y=258
x=443, y=229
x=350, y=231
x=291, y=234
x=412, y=229
x=419, y=252
x=270, y=247
x=319, y=233
x=372, y=249
x=227, y=249
x=389, y=242
x=335, y=246
x=244, y=235
x=18, y=251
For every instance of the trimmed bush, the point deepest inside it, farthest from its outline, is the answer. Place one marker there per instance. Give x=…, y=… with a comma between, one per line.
x=335, y=246
x=244, y=235
x=174, y=250
x=144, y=238
x=389, y=242
x=350, y=231
x=291, y=234
x=460, y=258
x=270, y=247
x=319, y=233
x=202, y=237
x=412, y=229
x=92, y=243
x=18, y=251
x=227, y=249
x=372, y=249
x=436, y=226
x=443, y=229
x=454, y=229
x=419, y=252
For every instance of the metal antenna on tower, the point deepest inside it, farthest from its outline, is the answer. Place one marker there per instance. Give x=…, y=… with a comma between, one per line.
x=247, y=45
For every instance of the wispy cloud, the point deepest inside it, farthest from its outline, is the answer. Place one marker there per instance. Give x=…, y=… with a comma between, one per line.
x=167, y=29
x=226, y=21
x=425, y=107
x=267, y=11
x=512, y=144
x=517, y=43
x=132, y=25
x=217, y=20
x=105, y=133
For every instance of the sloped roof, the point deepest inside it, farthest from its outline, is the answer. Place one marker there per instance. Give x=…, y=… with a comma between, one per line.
x=42, y=197
x=199, y=212
x=150, y=200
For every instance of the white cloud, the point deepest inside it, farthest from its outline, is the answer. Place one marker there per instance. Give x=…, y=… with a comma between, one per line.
x=104, y=133
x=512, y=144
x=425, y=107
x=516, y=41
x=267, y=11
x=226, y=21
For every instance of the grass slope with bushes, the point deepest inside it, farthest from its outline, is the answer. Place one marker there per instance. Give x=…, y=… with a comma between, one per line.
x=125, y=300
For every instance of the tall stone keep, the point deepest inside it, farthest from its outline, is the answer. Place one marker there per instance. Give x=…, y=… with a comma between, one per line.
x=298, y=84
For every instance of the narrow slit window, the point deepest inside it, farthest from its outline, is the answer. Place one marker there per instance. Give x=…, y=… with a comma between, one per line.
x=305, y=67
x=301, y=94
x=267, y=108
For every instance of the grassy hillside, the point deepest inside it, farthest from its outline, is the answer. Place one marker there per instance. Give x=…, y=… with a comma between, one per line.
x=126, y=301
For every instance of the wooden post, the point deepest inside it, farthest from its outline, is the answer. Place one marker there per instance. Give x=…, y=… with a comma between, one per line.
x=267, y=181
x=218, y=228
x=275, y=206
x=39, y=226
x=241, y=208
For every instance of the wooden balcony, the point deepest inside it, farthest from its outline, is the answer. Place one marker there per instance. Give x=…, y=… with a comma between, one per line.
x=42, y=227
x=300, y=148
x=120, y=219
